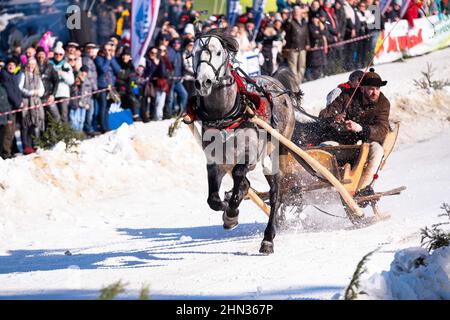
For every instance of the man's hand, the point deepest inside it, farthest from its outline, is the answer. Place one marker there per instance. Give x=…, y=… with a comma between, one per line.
x=51, y=99
x=352, y=126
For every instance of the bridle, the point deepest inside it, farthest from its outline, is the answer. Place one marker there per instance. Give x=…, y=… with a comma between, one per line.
x=204, y=46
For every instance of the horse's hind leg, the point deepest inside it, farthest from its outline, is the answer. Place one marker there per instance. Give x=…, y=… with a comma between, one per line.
x=269, y=233
x=240, y=189
x=215, y=176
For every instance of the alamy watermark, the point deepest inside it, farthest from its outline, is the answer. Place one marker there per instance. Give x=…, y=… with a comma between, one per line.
x=73, y=17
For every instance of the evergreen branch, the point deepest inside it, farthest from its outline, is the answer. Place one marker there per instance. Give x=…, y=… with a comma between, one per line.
x=351, y=293
x=144, y=293
x=112, y=291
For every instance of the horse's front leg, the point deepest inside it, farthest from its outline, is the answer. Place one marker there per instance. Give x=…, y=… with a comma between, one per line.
x=240, y=189
x=215, y=176
x=275, y=201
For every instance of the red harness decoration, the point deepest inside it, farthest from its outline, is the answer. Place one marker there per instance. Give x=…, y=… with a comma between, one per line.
x=259, y=103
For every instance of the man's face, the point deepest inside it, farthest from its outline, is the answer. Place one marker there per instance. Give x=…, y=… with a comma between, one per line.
x=11, y=67
x=58, y=56
x=90, y=51
x=72, y=60
x=41, y=57
x=372, y=93
x=126, y=58
x=30, y=52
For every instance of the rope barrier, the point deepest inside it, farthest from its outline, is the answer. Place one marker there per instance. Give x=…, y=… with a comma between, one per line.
x=337, y=44
x=46, y=104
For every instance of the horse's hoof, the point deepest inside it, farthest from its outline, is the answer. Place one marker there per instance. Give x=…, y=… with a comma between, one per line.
x=266, y=247
x=229, y=223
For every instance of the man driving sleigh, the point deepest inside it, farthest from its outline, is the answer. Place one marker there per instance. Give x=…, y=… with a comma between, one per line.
x=363, y=117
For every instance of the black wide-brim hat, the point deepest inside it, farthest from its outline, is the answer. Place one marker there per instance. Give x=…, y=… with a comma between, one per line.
x=372, y=79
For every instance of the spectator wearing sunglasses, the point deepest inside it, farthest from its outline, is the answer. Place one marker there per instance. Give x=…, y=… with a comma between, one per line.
x=66, y=79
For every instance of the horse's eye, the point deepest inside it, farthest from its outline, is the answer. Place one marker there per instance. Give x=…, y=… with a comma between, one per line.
x=219, y=53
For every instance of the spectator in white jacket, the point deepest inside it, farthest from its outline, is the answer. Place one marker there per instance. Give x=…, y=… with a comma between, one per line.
x=66, y=79
x=33, y=121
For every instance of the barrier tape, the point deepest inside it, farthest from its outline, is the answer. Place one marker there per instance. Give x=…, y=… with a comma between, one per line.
x=337, y=44
x=46, y=104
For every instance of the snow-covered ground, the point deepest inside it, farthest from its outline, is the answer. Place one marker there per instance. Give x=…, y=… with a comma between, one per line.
x=131, y=205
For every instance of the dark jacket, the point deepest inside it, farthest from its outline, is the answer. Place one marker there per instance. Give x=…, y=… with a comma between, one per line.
x=50, y=79
x=125, y=77
x=341, y=22
x=176, y=59
x=5, y=106
x=11, y=84
x=297, y=35
x=106, y=71
x=373, y=117
x=316, y=58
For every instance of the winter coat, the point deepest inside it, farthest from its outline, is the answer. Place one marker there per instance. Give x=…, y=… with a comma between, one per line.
x=331, y=25
x=176, y=59
x=49, y=78
x=84, y=88
x=316, y=58
x=125, y=77
x=11, y=84
x=106, y=71
x=341, y=22
x=66, y=78
x=5, y=106
x=36, y=117
x=373, y=117
x=297, y=34
x=92, y=73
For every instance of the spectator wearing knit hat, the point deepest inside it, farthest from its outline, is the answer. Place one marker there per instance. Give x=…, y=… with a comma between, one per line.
x=66, y=79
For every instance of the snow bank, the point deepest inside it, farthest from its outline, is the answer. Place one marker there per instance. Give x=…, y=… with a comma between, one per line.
x=414, y=275
x=49, y=184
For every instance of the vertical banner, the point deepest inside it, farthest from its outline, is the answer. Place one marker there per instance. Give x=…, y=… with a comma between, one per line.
x=232, y=11
x=144, y=14
x=258, y=11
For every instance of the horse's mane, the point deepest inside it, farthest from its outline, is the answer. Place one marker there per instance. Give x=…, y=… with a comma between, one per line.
x=227, y=40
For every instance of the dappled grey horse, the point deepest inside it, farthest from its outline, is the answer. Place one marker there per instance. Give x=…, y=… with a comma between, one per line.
x=232, y=144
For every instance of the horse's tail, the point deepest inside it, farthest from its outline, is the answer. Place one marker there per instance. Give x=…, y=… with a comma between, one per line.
x=288, y=80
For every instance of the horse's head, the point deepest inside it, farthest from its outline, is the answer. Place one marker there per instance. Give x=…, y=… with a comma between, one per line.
x=211, y=59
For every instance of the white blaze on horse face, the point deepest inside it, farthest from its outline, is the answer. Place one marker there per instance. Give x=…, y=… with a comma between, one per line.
x=206, y=62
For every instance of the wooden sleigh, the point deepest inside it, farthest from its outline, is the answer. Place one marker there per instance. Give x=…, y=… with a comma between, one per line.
x=340, y=166
x=346, y=163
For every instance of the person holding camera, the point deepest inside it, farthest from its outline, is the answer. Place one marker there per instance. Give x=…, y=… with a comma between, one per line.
x=65, y=80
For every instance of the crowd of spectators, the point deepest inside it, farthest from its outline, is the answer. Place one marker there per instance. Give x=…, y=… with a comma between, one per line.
x=305, y=36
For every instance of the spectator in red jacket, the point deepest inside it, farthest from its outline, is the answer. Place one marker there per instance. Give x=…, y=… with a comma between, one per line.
x=412, y=12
